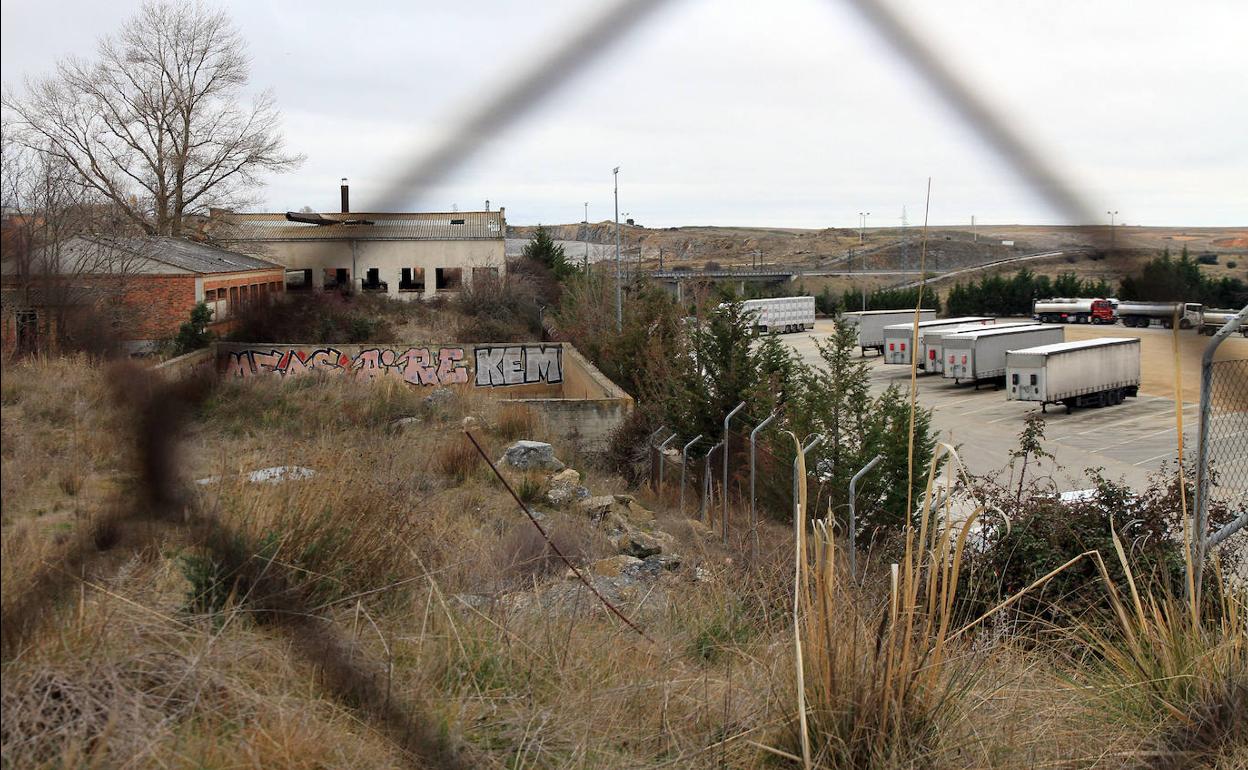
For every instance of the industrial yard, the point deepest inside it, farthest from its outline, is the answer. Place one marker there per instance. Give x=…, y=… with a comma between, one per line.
x=1130, y=441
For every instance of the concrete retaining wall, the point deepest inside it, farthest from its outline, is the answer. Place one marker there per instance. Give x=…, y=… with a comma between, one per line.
x=576, y=402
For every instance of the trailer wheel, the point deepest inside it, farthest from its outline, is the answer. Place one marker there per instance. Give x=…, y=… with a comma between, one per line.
x=1070, y=405
x=1185, y=324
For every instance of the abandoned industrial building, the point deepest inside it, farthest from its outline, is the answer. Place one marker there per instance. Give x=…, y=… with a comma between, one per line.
x=141, y=288
x=403, y=255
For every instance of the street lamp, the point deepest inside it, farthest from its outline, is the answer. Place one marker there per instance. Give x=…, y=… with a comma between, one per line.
x=585, y=235
x=619, y=290
x=862, y=225
x=1112, y=236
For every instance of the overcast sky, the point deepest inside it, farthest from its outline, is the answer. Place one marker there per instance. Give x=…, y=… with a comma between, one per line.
x=737, y=112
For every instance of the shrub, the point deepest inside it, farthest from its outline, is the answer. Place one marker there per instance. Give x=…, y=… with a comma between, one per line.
x=194, y=334
x=457, y=459
x=515, y=421
x=1232, y=264
x=321, y=317
x=499, y=310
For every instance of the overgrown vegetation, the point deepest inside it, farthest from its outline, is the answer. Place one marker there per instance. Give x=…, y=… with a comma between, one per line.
x=171, y=655
x=1165, y=279
x=999, y=295
x=321, y=317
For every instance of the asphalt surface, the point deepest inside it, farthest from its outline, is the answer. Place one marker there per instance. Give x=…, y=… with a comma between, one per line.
x=1129, y=441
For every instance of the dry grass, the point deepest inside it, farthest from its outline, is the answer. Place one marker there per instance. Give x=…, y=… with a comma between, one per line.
x=442, y=593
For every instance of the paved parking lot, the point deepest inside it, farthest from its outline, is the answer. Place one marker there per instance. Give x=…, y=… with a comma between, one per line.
x=1130, y=441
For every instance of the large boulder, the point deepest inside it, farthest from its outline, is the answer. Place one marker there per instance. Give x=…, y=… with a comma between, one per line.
x=565, y=488
x=531, y=456
x=610, y=509
x=643, y=545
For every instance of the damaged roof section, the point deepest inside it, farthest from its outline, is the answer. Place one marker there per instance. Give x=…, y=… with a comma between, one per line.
x=300, y=226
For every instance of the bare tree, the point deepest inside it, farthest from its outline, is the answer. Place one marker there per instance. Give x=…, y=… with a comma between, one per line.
x=157, y=123
x=63, y=275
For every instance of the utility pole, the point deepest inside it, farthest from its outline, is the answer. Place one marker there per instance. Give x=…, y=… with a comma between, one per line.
x=974, y=235
x=585, y=236
x=619, y=289
x=1113, y=240
x=862, y=216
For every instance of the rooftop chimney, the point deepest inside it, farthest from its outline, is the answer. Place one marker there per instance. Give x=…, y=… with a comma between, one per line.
x=345, y=193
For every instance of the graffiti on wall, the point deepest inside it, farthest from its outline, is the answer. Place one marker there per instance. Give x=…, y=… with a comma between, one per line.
x=496, y=365
x=518, y=365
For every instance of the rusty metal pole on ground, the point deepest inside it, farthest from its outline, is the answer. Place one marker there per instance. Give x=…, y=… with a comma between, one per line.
x=684, y=465
x=753, y=512
x=853, y=522
x=724, y=486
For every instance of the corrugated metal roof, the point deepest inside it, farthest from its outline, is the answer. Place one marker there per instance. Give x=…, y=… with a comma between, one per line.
x=454, y=226
x=183, y=254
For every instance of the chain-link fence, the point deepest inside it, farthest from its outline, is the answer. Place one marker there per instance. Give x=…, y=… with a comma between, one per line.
x=1222, y=448
x=1227, y=438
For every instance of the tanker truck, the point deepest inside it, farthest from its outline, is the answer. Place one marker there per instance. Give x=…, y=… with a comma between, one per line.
x=1073, y=311
x=1212, y=320
x=1140, y=314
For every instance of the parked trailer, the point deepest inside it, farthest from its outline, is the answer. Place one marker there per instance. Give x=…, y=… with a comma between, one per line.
x=1073, y=311
x=931, y=346
x=1141, y=314
x=1212, y=320
x=782, y=314
x=899, y=338
x=871, y=323
x=980, y=355
x=1096, y=372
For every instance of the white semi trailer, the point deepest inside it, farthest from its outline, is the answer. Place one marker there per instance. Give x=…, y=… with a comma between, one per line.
x=899, y=338
x=870, y=324
x=782, y=314
x=980, y=355
x=1095, y=372
x=1141, y=314
x=931, y=347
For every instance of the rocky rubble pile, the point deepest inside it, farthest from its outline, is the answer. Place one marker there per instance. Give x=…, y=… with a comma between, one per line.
x=644, y=553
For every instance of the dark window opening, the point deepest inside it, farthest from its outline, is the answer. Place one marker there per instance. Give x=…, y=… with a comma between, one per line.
x=412, y=279
x=339, y=278
x=372, y=280
x=1014, y=379
x=448, y=278
x=27, y=331
x=298, y=280
x=457, y=221
x=233, y=295
x=1033, y=379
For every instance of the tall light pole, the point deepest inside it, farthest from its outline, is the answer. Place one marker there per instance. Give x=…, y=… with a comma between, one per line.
x=619, y=289
x=1112, y=236
x=862, y=225
x=585, y=236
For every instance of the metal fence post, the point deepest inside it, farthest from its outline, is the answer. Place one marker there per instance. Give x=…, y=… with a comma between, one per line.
x=724, y=486
x=853, y=522
x=684, y=465
x=709, y=487
x=1201, y=542
x=754, y=513
x=662, y=448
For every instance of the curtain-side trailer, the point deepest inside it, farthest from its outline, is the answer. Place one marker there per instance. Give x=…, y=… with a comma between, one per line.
x=870, y=324
x=980, y=355
x=1095, y=372
x=932, y=345
x=899, y=338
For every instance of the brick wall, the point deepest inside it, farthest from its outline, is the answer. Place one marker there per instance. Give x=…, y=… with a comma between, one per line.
x=156, y=305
